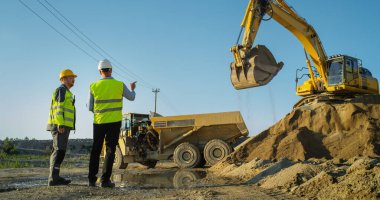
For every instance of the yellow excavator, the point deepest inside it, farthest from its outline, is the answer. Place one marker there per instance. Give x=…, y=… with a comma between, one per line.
x=338, y=77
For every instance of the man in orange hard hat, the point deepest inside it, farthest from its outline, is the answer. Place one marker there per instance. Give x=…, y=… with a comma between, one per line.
x=61, y=121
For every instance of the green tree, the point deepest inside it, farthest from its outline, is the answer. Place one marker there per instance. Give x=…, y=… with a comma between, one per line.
x=8, y=147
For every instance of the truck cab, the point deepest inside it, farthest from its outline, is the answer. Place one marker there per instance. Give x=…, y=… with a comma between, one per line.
x=129, y=125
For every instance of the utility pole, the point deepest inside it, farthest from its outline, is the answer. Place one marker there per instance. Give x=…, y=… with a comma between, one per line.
x=157, y=90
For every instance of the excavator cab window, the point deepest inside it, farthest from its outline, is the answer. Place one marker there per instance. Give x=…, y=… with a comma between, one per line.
x=351, y=70
x=335, y=72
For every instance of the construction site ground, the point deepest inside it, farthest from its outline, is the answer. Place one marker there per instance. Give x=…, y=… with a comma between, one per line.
x=136, y=182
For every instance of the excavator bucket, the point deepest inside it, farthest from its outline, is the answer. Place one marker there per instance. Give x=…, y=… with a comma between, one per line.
x=258, y=69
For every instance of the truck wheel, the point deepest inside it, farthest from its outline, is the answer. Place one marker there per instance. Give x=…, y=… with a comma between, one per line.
x=215, y=150
x=118, y=162
x=187, y=155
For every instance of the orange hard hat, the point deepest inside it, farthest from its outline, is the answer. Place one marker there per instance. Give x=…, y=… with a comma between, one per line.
x=65, y=73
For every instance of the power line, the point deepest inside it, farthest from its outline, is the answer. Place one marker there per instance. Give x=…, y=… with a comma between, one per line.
x=168, y=103
x=67, y=26
x=56, y=30
x=61, y=34
x=65, y=37
x=144, y=83
x=96, y=45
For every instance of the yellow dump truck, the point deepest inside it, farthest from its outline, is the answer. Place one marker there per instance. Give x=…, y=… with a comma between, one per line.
x=190, y=140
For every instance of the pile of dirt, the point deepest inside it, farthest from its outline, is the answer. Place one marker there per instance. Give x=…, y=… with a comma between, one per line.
x=292, y=176
x=242, y=172
x=357, y=178
x=322, y=130
x=314, y=152
x=361, y=180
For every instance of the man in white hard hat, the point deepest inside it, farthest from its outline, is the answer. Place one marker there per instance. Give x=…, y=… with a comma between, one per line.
x=106, y=102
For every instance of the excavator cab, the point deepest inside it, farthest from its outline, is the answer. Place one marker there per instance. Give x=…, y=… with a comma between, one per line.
x=343, y=69
x=346, y=73
x=253, y=68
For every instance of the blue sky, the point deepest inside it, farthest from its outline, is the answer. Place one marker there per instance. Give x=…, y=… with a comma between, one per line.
x=181, y=47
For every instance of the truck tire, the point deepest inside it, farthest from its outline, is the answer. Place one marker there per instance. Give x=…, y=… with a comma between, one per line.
x=118, y=163
x=216, y=150
x=187, y=155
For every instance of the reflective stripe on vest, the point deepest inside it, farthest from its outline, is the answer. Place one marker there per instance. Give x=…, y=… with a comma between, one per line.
x=64, y=109
x=108, y=100
x=62, y=113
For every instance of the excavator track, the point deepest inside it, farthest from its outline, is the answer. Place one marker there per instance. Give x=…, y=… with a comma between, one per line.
x=338, y=98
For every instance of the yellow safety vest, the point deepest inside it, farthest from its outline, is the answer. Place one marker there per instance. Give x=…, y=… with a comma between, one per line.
x=62, y=113
x=108, y=100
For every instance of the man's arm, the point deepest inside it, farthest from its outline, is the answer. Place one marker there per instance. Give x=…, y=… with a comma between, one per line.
x=128, y=94
x=60, y=94
x=90, y=104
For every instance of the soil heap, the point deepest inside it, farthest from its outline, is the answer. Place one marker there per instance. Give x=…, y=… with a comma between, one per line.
x=321, y=130
x=320, y=151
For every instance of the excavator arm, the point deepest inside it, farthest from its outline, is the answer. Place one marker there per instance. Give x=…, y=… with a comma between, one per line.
x=306, y=34
x=253, y=67
x=339, y=77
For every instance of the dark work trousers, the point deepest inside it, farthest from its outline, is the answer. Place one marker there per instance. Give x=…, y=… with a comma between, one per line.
x=58, y=152
x=109, y=132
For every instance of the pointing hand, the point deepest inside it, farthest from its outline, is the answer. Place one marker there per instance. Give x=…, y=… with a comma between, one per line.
x=133, y=86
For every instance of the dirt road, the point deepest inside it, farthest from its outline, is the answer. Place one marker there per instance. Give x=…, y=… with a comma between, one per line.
x=164, y=182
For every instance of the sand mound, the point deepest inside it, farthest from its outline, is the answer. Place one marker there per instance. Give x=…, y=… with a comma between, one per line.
x=360, y=181
x=320, y=149
x=358, y=178
x=291, y=176
x=318, y=131
x=243, y=172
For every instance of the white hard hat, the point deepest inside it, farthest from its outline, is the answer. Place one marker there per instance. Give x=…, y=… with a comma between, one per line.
x=104, y=64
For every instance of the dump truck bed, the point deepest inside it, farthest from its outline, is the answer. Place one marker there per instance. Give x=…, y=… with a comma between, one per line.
x=198, y=129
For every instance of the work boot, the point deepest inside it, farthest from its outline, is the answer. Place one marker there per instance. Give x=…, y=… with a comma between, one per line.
x=60, y=181
x=91, y=184
x=92, y=181
x=108, y=184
